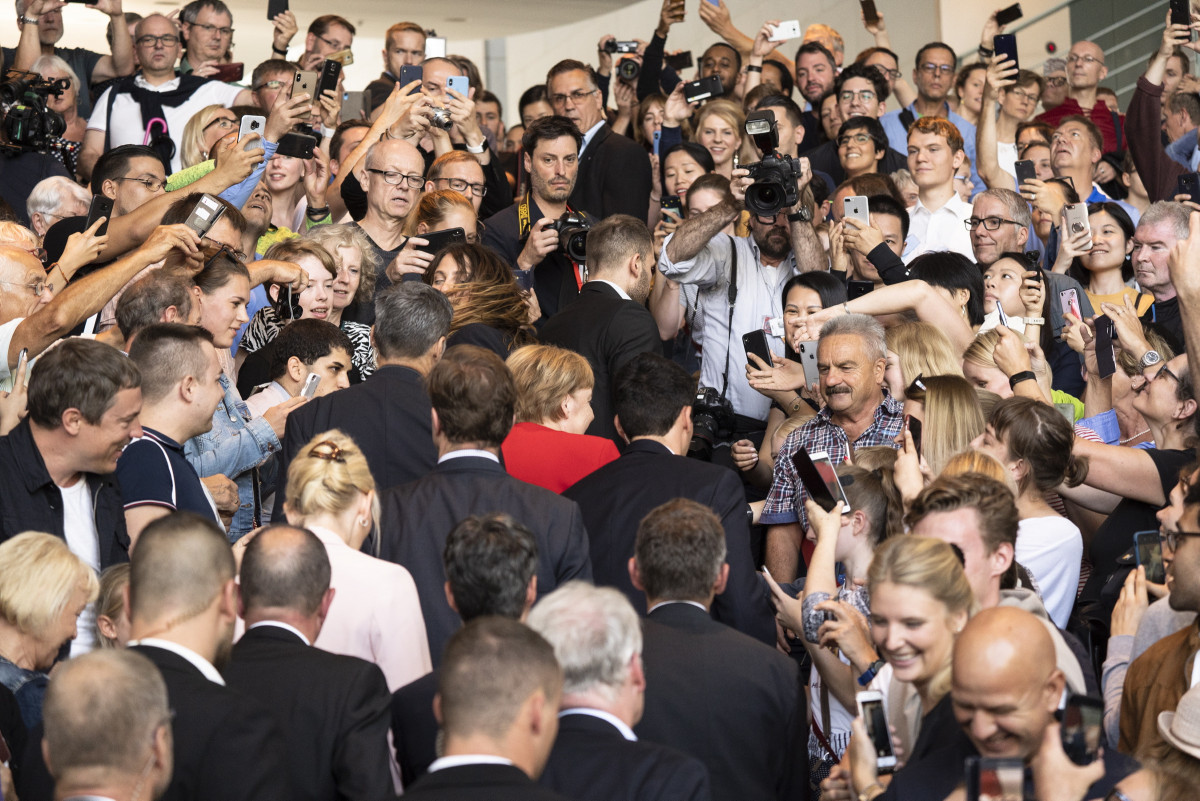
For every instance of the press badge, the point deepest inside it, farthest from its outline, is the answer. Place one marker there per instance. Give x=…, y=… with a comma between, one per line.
x=775, y=325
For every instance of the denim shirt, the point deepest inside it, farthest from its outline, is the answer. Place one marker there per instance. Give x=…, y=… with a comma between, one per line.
x=234, y=447
x=28, y=687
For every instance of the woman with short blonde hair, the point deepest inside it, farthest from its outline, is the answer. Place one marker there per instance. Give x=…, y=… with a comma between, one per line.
x=950, y=415
x=202, y=132
x=915, y=349
x=719, y=129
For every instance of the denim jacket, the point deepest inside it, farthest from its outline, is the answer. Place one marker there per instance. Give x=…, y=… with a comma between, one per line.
x=235, y=446
x=28, y=687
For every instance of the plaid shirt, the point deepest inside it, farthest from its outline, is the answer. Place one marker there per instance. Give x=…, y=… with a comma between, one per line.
x=785, y=502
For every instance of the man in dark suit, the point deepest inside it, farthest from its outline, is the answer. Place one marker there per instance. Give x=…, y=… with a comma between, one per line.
x=387, y=416
x=497, y=701
x=608, y=324
x=614, y=171
x=491, y=569
x=473, y=399
x=182, y=608
x=597, y=639
x=752, y=737
x=653, y=398
x=333, y=709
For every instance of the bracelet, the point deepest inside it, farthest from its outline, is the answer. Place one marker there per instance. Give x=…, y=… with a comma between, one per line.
x=279, y=52
x=986, y=52
x=317, y=213
x=753, y=68
x=28, y=21
x=796, y=404
x=477, y=149
x=1024, y=375
x=867, y=795
x=1035, y=321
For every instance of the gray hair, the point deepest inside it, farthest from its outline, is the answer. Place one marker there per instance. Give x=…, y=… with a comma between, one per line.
x=595, y=632
x=1014, y=204
x=863, y=326
x=332, y=237
x=409, y=320
x=54, y=62
x=49, y=194
x=1170, y=212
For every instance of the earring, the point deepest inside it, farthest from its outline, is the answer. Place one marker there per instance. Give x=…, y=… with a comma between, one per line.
x=364, y=522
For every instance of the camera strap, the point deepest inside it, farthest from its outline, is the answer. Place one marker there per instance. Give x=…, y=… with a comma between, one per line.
x=731, y=294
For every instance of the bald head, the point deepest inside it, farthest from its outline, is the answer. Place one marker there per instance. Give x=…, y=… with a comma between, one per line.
x=391, y=201
x=177, y=570
x=285, y=568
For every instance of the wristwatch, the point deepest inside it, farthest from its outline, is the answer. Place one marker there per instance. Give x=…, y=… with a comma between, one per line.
x=1035, y=321
x=804, y=215
x=1150, y=358
x=1017, y=378
x=871, y=672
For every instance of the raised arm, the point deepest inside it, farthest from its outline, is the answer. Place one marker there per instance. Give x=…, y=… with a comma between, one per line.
x=121, y=62
x=916, y=296
x=999, y=76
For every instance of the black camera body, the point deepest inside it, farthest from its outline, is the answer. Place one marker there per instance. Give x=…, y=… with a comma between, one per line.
x=775, y=177
x=713, y=421
x=28, y=123
x=572, y=230
x=614, y=46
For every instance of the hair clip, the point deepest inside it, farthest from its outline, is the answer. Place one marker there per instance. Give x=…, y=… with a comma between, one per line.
x=327, y=450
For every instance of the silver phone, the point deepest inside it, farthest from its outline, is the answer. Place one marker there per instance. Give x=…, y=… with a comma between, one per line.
x=310, y=385
x=808, y=360
x=856, y=208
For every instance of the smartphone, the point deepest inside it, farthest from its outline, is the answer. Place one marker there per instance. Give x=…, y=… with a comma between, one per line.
x=440, y=240
x=1069, y=300
x=296, y=145
x=1106, y=362
x=229, y=73
x=276, y=7
x=410, y=73
x=620, y=47
x=1148, y=549
x=207, y=211
x=673, y=203
x=1002, y=315
x=353, y=104
x=716, y=3
x=870, y=15
x=1081, y=721
x=1010, y=14
x=789, y=29
x=330, y=72
x=305, y=83
x=874, y=716
x=1181, y=12
x=459, y=83
x=914, y=428
x=101, y=206
x=1025, y=172
x=1075, y=220
x=995, y=779
x=310, y=385
x=756, y=342
x=292, y=300
x=657, y=138
x=819, y=477
x=343, y=57
x=702, y=89
x=252, y=123
x=856, y=207
x=1189, y=184
x=1005, y=44
x=680, y=61
x=808, y=360
x=435, y=47
x=856, y=289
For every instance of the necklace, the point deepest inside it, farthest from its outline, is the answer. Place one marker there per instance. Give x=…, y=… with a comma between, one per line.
x=1135, y=436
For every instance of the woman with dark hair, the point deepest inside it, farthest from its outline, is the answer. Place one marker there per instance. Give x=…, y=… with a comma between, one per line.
x=682, y=164
x=490, y=310
x=1106, y=269
x=861, y=146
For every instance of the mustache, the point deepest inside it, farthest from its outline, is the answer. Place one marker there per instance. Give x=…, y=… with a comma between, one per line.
x=838, y=391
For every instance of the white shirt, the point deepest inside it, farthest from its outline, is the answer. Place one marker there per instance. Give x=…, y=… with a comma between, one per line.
x=696, y=604
x=1006, y=153
x=279, y=624
x=620, y=725
x=1051, y=549
x=80, y=529
x=941, y=229
x=587, y=137
x=467, y=759
x=618, y=289
x=128, y=127
x=200, y=663
x=469, y=452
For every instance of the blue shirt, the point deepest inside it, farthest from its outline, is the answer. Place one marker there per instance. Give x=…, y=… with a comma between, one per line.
x=897, y=136
x=153, y=471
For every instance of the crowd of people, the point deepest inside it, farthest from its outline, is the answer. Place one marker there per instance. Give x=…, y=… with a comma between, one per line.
x=739, y=427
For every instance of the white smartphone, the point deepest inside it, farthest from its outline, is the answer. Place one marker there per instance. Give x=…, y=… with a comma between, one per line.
x=856, y=207
x=871, y=710
x=1075, y=221
x=789, y=29
x=310, y=385
x=1069, y=300
x=252, y=124
x=435, y=47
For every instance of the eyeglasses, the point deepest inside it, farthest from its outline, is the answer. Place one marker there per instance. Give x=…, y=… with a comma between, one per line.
x=576, y=97
x=1172, y=538
x=224, y=123
x=153, y=184
x=37, y=287
x=1030, y=96
x=328, y=451
x=459, y=185
x=1057, y=81
x=893, y=74
x=1164, y=370
x=865, y=95
x=397, y=178
x=1078, y=59
x=858, y=139
x=934, y=69
x=336, y=45
x=223, y=248
x=268, y=85
x=989, y=223
x=211, y=28
x=39, y=253
x=166, y=40
x=1116, y=795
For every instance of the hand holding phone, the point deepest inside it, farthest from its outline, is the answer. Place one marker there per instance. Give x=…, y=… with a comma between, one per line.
x=874, y=718
x=756, y=342
x=310, y=386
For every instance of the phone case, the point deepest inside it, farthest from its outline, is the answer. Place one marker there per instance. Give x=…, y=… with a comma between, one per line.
x=305, y=83
x=1075, y=220
x=208, y=210
x=786, y=30
x=408, y=74
x=1069, y=300
x=1106, y=363
x=1005, y=44
x=1007, y=15
x=808, y=360
x=1148, y=550
x=440, y=240
x=702, y=89
x=1025, y=171
x=756, y=342
x=101, y=206
x=252, y=124
x=870, y=14
x=856, y=207
x=276, y=7
x=330, y=72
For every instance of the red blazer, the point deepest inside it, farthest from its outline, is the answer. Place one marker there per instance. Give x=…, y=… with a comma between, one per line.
x=554, y=459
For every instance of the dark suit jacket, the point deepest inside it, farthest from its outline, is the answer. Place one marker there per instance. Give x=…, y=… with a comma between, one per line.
x=608, y=331
x=227, y=745
x=615, y=498
x=730, y=701
x=387, y=416
x=414, y=727
x=614, y=177
x=592, y=761
x=480, y=782
x=332, y=709
x=419, y=515
x=554, y=280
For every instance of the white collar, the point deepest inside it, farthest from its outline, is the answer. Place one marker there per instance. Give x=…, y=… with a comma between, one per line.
x=619, y=724
x=279, y=624
x=200, y=663
x=459, y=454
x=620, y=291
x=954, y=204
x=696, y=604
x=460, y=760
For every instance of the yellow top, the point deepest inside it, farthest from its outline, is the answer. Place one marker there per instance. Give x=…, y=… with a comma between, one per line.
x=1118, y=299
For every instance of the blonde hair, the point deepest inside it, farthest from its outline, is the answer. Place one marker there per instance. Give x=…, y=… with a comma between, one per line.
x=935, y=567
x=13, y=233
x=433, y=207
x=982, y=352
x=329, y=474
x=973, y=461
x=110, y=602
x=728, y=111
x=192, y=152
x=952, y=417
x=38, y=576
x=922, y=349
x=543, y=376
x=332, y=237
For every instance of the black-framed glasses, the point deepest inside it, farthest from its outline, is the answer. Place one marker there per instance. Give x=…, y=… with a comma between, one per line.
x=989, y=223
x=333, y=43
x=224, y=123
x=1172, y=538
x=1164, y=370
x=153, y=184
x=576, y=97
x=37, y=287
x=166, y=40
x=224, y=31
x=1057, y=81
x=934, y=69
x=459, y=185
x=397, y=178
x=893, y=74
x=221, y=247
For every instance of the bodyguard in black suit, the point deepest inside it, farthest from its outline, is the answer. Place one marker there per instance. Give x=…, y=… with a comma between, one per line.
x=227, y=745
x=733, y=703
x=473, y=399
x=608, y=324
x=653, y=399
x=332, y=709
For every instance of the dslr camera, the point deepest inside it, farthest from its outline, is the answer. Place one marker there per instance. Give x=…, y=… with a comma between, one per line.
x=712, y=422
x=775, y=177
x=629, y=69
x=28, y=123
x=572, y=230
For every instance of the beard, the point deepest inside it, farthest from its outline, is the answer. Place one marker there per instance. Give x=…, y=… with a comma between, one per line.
x=641, y=290
x=774, y=242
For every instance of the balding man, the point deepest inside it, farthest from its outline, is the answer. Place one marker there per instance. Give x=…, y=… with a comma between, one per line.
x=497, y=701
x=1085, y=71
x=182, y=601
x=332, y=709
x=108, y=728
x=392, y=175
x=597, y=639
x=1006, y=690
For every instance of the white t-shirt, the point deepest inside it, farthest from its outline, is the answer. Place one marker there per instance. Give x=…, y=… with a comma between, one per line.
x=1006, y=152
x=1051, y=549
x=128, y=128
x=80, y=528
x=7, y=331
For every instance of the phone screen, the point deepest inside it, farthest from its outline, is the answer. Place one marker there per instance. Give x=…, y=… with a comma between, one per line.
x=812, y=480
x=1149, y=555
x=875, y=720
x=1081, y=721
x=829, y=475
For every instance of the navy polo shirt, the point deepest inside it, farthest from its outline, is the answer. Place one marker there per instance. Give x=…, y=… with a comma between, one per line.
x=153, y=471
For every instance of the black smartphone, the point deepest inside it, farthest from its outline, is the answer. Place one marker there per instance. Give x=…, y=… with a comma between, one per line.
x=817, y=473
x=1189, y=184
x=1081, y=721
x=296, y=145
x=991, y=779
x=870, y=15
x=680, y=61
x=440, y=240
x=1148, y=549
x=702, y=89
x=410, y=73
x=914, y=428
x=1025, y=172
x=1007, y=15
x=276, y=7
x=1106, y=363
x=673, y=203
x=287, y=302
x=101, y=206
x=330, y=72
x=756, y=342
x=1181, y=12
x=1005, y=44
x=856, y=289
x=874, y=716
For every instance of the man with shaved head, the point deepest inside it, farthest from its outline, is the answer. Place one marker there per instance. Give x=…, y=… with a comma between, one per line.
x=392, y=175
x=1085, y=71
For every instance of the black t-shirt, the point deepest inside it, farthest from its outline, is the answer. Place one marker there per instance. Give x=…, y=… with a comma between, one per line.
x=1163, y=317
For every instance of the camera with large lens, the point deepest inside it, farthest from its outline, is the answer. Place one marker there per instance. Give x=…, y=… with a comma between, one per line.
x=28, y=123
x=629, y=69
x=712, y=422
x=441, y=119
x=572, y=230
x=775, y=177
